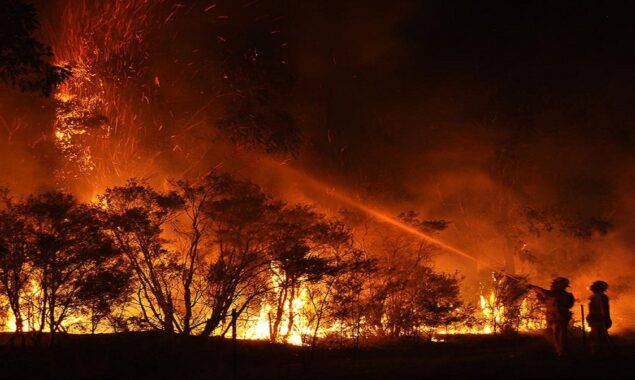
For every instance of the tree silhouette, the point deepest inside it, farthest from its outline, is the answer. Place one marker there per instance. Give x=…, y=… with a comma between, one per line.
x=337, y=297
x=437, y=299
x=240, y=215
x=68, y=248
x=14, y=250
x=136, y=216
x=104, y=290
x=303, y=238
x=180, y=260
x=25, y=61
x=192, y=229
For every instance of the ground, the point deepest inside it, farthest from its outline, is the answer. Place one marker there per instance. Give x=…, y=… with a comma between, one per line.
x=152, y=355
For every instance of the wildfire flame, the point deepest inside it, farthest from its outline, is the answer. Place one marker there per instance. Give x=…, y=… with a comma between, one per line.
x=96, y=127
x=96, y=130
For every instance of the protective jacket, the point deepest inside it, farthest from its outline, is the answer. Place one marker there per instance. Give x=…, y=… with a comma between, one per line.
x=557, y=305
x=599, y=315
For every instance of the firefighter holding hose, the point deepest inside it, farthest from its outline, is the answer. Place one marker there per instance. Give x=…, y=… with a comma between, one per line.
x=558, y=302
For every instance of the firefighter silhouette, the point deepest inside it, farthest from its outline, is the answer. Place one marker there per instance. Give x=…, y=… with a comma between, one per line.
x=558, y=302
x=599, y=317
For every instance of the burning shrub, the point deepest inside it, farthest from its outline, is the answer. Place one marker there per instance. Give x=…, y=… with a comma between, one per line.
x=508, y=306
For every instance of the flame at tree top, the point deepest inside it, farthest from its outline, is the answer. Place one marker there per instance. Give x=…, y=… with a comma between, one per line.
x=97, y=127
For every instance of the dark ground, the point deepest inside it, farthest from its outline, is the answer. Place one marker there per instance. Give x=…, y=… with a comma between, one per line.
x=151, y=355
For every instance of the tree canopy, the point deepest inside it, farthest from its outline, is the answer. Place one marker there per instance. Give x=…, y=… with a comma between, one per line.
x=25, y=62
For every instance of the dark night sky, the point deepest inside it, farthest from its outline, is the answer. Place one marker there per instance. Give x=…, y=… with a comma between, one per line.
x=394, y=76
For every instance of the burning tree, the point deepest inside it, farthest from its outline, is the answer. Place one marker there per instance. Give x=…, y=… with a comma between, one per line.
x=136, y=215
x=404, y=295
x=302, y=256
x=337, y=299
x=192, y=241
x=14, y=251
x=437, y=300
x=421, y=301
x=416, y=297
x=202, y=249
x=238, y=265
x=104, y=291
x=56, y=250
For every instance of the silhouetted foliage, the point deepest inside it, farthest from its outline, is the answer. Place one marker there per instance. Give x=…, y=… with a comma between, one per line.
x=55, y=260
x=181, y=259
x=303, y=239
x=103, y=291
x=412, y=218
x=339, y=298
x=25, y=61
x=237, y=272
x=14, y=251
x=136, y=216
x=68, y=250
x=437, y=299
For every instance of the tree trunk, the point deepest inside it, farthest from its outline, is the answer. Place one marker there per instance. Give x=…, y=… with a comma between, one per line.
x=187, y=299
x=44, y=303
x=291, y=313
x=52, y=300
x=168, y=320
x=282, y=299
x=212, y=323
x=17, y=314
